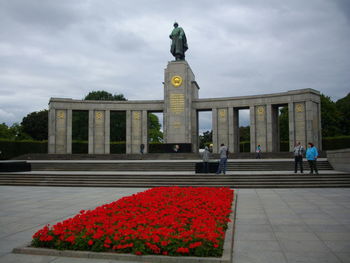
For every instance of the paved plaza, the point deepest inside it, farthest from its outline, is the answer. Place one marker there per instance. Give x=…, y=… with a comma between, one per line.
x=272, y=225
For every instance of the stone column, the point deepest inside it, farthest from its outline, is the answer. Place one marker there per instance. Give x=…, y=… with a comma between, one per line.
x=52, y=131
x=272, y=128
x=261, y=127
x=313, y=123
x=136, y=131
x=230, y=130
x=299, y=124
x=61, y=131
x=91, y=132
x=107, y=131
x=69, y=131
x=252, y=128
x=215, y=130
x=291, y=121
x=145, y=130
x=128, y=131
x=223, y=126
x=99, y=132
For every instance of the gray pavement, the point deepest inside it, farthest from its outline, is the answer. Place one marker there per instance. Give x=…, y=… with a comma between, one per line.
x=272, y=225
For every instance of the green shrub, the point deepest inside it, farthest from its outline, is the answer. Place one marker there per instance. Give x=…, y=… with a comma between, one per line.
x=335, y=143
x=81, y=147
x=118, y=147
x=10, y=148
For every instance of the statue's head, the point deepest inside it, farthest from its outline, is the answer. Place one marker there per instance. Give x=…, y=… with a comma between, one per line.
x=176, y=24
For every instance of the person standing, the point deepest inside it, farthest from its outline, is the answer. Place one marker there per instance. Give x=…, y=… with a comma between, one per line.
x=311, y=156
x=206, y=157
x=258, y=152
x=142, y=148
x=298, y=157
x=223, y=159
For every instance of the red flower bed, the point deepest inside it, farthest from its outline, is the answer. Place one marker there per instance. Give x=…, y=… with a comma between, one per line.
x=164, y=220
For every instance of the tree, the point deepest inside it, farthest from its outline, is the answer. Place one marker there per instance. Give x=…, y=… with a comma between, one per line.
x=244, y=133
x=35, y=124
x=205, y=139
x=5, y=132
x=330, y=117
x=343, y=107
x=15, y=132
x=103, y=95
x=154, y=132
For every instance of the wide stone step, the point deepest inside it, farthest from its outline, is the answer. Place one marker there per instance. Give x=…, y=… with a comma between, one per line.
x=170, y=166
x=154, y=180
x=232, y=185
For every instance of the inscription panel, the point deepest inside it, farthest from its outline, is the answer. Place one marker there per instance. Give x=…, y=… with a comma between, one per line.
x=177, y=103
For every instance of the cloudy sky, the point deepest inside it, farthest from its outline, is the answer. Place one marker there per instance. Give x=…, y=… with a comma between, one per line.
x=68, y=48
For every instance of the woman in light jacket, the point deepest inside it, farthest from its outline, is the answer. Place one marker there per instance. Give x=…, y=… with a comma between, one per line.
x=311, y=156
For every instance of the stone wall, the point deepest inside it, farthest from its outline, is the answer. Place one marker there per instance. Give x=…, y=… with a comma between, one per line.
x=339, y=159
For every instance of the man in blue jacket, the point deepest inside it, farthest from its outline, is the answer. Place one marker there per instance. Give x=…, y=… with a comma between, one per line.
x=311, y=156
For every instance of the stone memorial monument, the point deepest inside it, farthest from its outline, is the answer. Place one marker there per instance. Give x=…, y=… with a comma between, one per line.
x=180, y=109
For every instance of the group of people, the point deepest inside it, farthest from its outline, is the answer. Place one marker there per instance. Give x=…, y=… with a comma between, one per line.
x=223, y=151
x=311, y=155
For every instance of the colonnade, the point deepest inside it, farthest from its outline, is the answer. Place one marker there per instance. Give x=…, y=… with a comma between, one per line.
x=303, y=111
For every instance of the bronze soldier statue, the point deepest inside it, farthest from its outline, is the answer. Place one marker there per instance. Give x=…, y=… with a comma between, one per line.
x=178, y=43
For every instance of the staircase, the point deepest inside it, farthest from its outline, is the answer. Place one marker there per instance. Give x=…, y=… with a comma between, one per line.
x=154, y=180
x=243, y=173
x=174, y=165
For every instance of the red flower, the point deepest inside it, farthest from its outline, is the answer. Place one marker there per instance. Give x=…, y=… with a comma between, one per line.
x=196, y=244
x=70, y=239
x=147, y=222
x=183, y=250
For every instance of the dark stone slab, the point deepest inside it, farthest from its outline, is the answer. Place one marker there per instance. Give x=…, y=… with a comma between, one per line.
x=15, y=166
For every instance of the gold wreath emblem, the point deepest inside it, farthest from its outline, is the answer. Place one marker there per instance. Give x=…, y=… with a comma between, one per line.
x=261, y=110
x=98, y=115
x=222, y=113
x=176, y=81
x=60, y=114
x=299, y=108
x=137, y=115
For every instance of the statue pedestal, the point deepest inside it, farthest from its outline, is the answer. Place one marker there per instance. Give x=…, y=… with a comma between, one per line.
x=180, y=119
